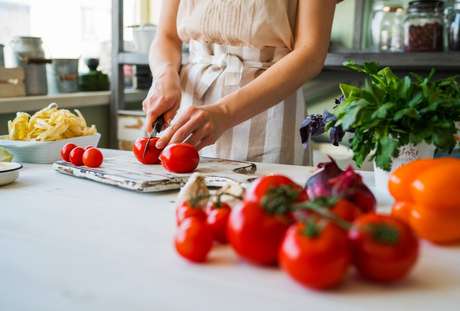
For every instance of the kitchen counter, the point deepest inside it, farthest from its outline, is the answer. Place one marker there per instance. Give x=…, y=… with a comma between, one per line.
x=71, y=244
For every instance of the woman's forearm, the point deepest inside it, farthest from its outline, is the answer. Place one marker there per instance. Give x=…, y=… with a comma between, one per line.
x=165, y=54
x=272, y=86
x=165, y=51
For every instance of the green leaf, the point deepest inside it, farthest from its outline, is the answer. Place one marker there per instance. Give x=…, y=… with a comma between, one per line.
x=407, y=112
x=385, y=151
x=351, y=114
x=383, y=110
x=405, y=87
x=348, y=90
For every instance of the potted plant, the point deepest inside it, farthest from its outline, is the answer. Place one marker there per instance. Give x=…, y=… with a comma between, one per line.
x=391, y=120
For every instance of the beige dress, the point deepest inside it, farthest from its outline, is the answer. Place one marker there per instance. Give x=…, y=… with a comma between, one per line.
x=231, y=43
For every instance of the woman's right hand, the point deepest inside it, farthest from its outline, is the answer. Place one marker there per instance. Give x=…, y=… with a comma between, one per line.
x=163, y=98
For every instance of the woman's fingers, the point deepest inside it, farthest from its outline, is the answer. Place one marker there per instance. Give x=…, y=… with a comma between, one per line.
x=156, y=106
x=206, y=141
x=171, y=130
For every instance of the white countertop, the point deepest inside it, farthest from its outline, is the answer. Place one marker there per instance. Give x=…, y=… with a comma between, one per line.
x=71, y=244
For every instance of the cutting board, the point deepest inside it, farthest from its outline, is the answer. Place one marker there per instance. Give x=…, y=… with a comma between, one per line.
x=122, y=170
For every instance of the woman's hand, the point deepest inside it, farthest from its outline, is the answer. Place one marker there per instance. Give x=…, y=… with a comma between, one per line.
x=163, y=98
x=200, y=126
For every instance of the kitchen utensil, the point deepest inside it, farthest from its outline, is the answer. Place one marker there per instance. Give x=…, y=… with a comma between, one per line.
x=155, y=130
x=44, y=152
x=122, y=170
x=9, y=172
x=63, y=75
x=29, y=54
x=143, y=36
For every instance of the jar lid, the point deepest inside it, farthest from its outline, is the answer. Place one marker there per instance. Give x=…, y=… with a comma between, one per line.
x=426, y=6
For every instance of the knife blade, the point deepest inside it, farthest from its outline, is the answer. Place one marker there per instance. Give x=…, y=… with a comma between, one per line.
x=157, y=125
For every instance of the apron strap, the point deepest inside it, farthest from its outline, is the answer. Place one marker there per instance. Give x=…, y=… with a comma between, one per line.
x=223, y=60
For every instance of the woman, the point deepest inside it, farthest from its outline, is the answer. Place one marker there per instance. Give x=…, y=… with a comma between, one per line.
x=240, y=93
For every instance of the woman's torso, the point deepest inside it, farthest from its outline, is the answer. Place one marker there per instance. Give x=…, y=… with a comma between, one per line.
x=253, y=23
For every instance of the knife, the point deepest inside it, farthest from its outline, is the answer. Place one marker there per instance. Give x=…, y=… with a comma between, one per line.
x=157, y=125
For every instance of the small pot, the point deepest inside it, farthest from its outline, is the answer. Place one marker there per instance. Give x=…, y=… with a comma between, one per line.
x=407, y=154
x=143, y=36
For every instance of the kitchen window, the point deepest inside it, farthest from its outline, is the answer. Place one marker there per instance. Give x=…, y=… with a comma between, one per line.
x=69, y=28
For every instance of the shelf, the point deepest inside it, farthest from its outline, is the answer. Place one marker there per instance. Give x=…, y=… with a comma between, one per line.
x=440, y=60
x=70, y=100
x=132, y=58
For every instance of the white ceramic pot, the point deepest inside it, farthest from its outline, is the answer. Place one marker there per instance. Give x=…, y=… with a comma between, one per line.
x=406, y=154
x=143, y=37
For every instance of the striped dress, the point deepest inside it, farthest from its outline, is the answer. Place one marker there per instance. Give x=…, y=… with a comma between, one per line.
x=231, y=43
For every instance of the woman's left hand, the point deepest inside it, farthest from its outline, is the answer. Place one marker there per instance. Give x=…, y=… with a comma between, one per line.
x=197, y=125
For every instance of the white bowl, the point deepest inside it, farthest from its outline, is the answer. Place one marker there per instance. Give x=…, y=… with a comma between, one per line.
x=44, y=152
x=9, y=172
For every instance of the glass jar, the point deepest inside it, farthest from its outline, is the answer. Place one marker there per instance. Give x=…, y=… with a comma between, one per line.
x=424, y=26
x=454, y=28
x=392, y=29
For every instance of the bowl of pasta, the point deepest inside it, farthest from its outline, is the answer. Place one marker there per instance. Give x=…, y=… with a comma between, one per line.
x=38, y=138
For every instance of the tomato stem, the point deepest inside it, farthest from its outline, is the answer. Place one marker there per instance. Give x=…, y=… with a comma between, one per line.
x=323, y=212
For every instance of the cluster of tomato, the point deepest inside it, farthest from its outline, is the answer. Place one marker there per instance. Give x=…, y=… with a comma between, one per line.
x=427, y=197
x=314, y=241
x=89, y=156
x=176, y=158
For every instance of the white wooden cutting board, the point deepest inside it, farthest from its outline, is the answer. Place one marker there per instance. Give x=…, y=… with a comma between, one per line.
x=121, y=169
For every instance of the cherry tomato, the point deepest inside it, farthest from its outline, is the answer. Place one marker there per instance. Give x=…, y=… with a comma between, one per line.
x=76, y=156
x=89, y=147
x=217, y=220
x=180, y=158
x=315, y=257
x=255, y=234
x=384, y=248
x=92, y=157
x=346, y=210
x=193, y=240
x=186, y=210
x=152, y=154
x=65, y=151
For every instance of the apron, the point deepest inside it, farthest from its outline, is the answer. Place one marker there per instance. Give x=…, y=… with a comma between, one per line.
x=231, y=43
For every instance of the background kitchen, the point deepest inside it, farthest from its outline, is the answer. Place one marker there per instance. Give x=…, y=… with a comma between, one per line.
x=92, y=55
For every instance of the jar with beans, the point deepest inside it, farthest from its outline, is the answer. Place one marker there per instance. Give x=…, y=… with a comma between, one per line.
x=454, y=28
x=424, y=26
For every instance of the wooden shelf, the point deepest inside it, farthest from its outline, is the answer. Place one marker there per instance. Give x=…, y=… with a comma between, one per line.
x=449, y=61
x=334, y=60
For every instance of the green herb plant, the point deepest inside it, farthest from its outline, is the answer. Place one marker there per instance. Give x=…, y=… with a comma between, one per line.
x=388, y=112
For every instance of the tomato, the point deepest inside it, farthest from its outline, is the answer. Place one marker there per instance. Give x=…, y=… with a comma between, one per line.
x=346, y=210
x=89, y=147
x=180, y=158
x=193, y=240
x=186, y=210
x=439, y=186
x=263, y=185
x=76, y=156
x=151, y=155
x=317, y=258
x=400, y=181
x=92, y=157
x=437, y=224
x=402, y=210
x=217, y=220
x=385, y=248
x=255, y=234
x=65, y=151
